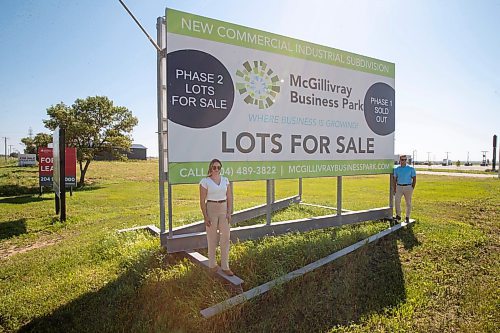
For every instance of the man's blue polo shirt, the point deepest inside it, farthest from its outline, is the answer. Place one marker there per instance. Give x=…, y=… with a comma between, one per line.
x=404, y=174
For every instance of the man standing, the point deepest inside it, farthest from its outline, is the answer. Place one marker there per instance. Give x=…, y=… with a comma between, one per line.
x=405, y=179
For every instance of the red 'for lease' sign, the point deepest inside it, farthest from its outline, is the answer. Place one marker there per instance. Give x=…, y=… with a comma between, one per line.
x=46, y=166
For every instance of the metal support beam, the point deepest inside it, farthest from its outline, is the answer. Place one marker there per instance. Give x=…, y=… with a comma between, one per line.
x=201, y=260
x=170, y=231
x=321, y=206
x=160, y=63
x=273, y=189
x=239, y=216
x=231, y=186
x=391, y=191
x=151, y=228
x=259, y=290
x=198, y=240
x=140, y=26
x=268, y=201
x=339, y=196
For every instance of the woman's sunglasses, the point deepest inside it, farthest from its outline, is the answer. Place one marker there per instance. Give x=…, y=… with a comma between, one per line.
x=216, y=167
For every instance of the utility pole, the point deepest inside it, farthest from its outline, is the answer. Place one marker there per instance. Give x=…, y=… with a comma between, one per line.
x=494, y=159
x=10, y=149
x=5, y=138
x=414, y=156
x=447, y=159
x=484, y=162
x=428, y=157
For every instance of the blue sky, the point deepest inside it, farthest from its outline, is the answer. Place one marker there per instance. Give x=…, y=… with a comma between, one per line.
x=446, y=55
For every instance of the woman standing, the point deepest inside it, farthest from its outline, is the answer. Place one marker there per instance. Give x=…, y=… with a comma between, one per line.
x=215, y=202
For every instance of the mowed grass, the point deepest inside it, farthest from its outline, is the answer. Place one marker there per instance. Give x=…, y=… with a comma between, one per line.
x=441, y=275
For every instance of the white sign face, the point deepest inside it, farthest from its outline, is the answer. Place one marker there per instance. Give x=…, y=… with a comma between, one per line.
x=272, y=107
x=27, y=159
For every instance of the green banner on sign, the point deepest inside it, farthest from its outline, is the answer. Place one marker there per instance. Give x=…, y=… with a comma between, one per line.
x=219, y=31
x=192, y=172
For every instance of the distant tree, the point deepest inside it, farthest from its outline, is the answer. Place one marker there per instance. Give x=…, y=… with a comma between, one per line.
x=33, y=143
x=29, y=145
x=93, y=125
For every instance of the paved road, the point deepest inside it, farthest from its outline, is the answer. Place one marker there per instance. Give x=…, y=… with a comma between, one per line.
x=475, y=167
x=456, y=174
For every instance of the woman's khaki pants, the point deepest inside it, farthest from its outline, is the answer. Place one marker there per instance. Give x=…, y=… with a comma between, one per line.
x=216, y=212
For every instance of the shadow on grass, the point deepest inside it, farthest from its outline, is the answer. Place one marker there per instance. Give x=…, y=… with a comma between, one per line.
x=75, y=189
x=26, y=171
x=123, y=306
x=12, y=228
x=369, y=280
x=408, y=238
x=101, y=311
x=12, y=166
x=24, y=199
x=11, y=190
x=17, y=190
x=86, y=188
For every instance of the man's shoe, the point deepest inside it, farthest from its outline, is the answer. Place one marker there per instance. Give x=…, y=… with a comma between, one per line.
x=228, y=272
x=213, y=269
x=398, y=218
x=407, y=219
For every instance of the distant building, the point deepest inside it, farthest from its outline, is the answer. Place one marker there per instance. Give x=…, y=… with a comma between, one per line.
x=137, y=152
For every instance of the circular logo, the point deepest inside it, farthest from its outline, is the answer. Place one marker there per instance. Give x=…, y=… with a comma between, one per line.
x=379, y=108
x=200, y=91
x=258, y=84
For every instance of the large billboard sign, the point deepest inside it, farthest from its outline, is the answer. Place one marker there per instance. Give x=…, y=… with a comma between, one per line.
x=46, y=167
x=272, y=107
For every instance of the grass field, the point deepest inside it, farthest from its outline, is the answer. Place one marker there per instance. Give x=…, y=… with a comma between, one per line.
x=441, y=275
